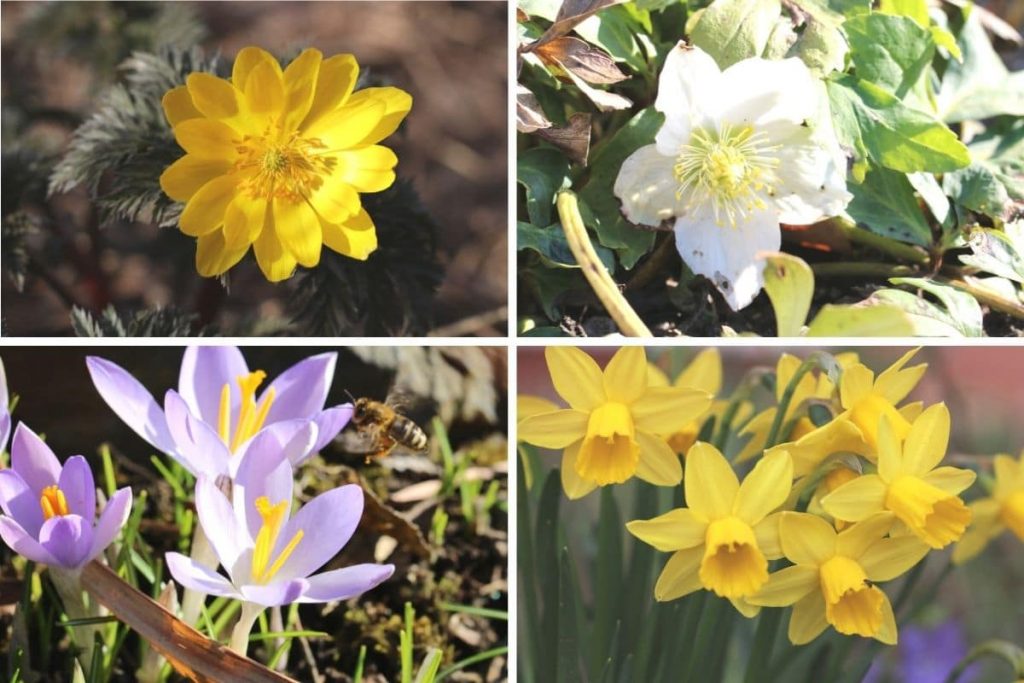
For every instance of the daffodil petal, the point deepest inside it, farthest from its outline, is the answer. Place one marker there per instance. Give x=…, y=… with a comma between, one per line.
x=338, y=76
x=243, y=220
x=680, y=576
x=892, y=557
x=710, y=482
x=274, y=260
x=246, y=61
x=573, y=484
x=1006, y=471
x=215, y=257
x=952, y=480
x=367, y=169
x=575, y=376
x=894, y=383
x=659, y=464
x=890, y=451
x=675, y=530
x=856, y=539
x=207, y=139
x=927, y=441
x=806, y=539
x=808, y=619
x=204, y=212
x=625, y=376
x=856, y=500
x=985, y=526
x=555, y=429
x=214, y=97
x=854, y=384
x=745, y=607
x=767, y=534
x=704, y=372
x=787, y=586
x=528, y=405
x=397, y=104
x=178, y=107
x=355, y=238
x=184, y=177
x=765, y=488
x=665, y=410
x=300, y=84
x=887, y=632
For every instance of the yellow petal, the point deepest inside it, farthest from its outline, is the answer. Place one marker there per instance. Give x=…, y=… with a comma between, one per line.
x=679, y=577
x=927, y=441
x=348, y=126
x=575, y=487
x=857, y=538
x=335, y=200
x=704, y=372
x=787, y=586
x=675, y=530
x=264, y=90
x=528, y=405
x=656, y=377
x=556, y=429
x=890, y=451
x=767, y=533
x=854, y=384
x=892, y=557
x=765, y=488
x=710, y=482
x=214, y=257
x=895, y=383
x=1007, y=472
x=367, y=169
x=207, y=139
x=178, y=106
x=985, y=525
x=952, y=480
x=665, y=410
x=811, y=449
x=355, y=238
x=300, y=84
x=758, y=428
x=184, y=177
x=887, y=633
x=214, y=97
x=248, y=59
x=397, y=104
x=744, y=607
x=204, y=212
x=659, y=464
x=808, y=619
x=857, y=499
x=298, y=228
x=625, y=377
x=575, y=376
x=806, y=539
x=274, y=260
x=911, y=411
x=243, y=220
x=338, y=76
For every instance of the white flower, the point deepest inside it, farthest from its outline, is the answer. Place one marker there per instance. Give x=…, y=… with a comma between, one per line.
x=741, y=151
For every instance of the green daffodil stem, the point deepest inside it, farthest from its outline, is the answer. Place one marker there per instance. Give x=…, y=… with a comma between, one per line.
x=594, y=271
x=787, y=397
x=863, y=269
x=896, y=249
x=240, y=634
x=202, y=553
x=1011, y=653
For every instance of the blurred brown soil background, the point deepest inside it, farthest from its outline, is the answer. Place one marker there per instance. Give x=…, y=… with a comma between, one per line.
x=453, y=147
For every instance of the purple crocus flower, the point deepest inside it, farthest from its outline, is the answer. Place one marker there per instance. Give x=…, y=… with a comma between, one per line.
x=268, y=553
x=217, y=409
x=49, y=510
x=5, y=408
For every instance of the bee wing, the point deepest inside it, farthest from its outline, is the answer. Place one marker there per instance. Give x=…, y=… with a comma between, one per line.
x=417, y=408
x=361, y=441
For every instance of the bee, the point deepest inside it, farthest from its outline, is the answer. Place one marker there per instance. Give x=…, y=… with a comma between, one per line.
x=386, y=427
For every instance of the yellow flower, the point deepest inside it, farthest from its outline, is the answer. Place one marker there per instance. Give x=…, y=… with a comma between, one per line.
x=831, y=580
x=993, y=515
x=833, y=479
x=722, y=542
x=276, y=159
x=909, y=482
x=608, y=431
x=704, y=373
x=867, y=398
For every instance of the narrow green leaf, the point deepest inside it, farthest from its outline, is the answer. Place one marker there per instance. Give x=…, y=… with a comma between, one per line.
x=547, y=569
x=607, y=607
x=567, y=642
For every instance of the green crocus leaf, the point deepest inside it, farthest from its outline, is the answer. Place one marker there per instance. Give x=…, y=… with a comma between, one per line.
x=889, y=51
x=733, y=30
x=977, y=188
x=542, y=171
x=885, y=204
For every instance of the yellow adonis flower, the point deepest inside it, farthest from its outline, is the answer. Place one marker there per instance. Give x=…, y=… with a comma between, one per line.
x=608, y=431
x=722, y=542
x=993, y=515
x=909, y=482
x=275, y=159
x=831, y=580
x=704, y=373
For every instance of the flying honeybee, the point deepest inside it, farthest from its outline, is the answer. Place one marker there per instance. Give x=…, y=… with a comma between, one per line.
x=386, y=427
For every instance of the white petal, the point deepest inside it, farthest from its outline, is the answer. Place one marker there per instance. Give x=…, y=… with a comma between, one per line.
x=811, y=177
x=769, y=94
x=726, y=255
x=647, y=187
x=688, y=89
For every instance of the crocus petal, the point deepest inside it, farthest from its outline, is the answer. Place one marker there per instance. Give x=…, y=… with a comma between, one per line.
x=726, y=255
x=345, y=583
x=274, y=594
x=575, y=376
x=33, y=460
x=625, y=378
x=301, y=390
x=688, y=75
x=20, y=502
x=329, y=424
x=666, y=410
x=198, y=578
x=952, y=480
x=573, y=484
x=659, y=464
x=808, y=619
x=710, y=482
x=327, y=522
x=806, y=539
x=293, y=439
x=647, y=187
x=680, y=576
x=21, y=542
x=199, y=448
x=556, y=429
x=675, y=530
x=5, y=425
x=264, y=472
x=856, y=500
x=204, y=372
x=787, y=586
x=892, y=557
x=79, y=489
x=68, y=538
x=112, y=520
x=765, y=488
x=218, y=521
x=131, y=402
x=927, y=441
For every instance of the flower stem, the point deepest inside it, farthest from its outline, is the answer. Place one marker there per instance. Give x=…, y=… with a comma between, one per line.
x=594, y=271
x=787, y=398
x=202, y=553
x=240, y=634
x=860, y=269
x=886, y=245
x=68, y=584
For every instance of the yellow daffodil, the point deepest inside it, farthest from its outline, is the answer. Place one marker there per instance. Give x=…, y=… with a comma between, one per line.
x=909, y=482
x=609, y=430
x=275, y=159
x=866, y=398
x=993, y=515
x=832, y=578
x=722, y=542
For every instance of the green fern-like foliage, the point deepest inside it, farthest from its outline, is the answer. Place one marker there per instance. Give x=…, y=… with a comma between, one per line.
x=152, y=322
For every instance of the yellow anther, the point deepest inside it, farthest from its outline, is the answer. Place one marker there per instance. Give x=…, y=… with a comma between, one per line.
x=251, y=415
x=53, y=502
x=266, y=539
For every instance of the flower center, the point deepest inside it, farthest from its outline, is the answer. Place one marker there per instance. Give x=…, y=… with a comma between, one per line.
x=1013, y=513
x=733, y=565
x=266, y=539
x=609, y=453
x=937, y=517
x=730, y=169
x=251, y=415
x=53, y=503
x=852, y=606
x=868, y=413
x=280, y=167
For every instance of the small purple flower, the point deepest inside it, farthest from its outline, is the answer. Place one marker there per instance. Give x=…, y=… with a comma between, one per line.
x=208, y=423
x=49, y=510
x=268, y=553
x=5, y=408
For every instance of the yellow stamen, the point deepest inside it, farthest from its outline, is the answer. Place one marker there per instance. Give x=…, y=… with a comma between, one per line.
x=733, y=564
x=852, y=606
x=53, y=502
x=224, y=414
x=279, y=167
x=609, y=453
x=251, y=415
x=937, y=517
x=266, y=539
x=1012, y=513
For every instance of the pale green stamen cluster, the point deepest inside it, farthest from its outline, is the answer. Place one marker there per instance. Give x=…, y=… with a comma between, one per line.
x=730, y=169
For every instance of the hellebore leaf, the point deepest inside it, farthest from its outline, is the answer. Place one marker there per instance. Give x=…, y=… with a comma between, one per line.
x=998, y=252
x=542, y=172
x=885, y=204
x=889, y=51
x=553, y=248
x=979, y=87
x=959, y=316
x=976, y=188
x=866, y=319
x=789, y=283
x=732, y=30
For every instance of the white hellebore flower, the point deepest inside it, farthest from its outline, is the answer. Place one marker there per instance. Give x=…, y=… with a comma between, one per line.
x=741, y=151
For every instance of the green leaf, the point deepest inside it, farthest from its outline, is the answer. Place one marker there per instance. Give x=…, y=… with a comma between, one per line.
x=552, y=246
x=959, y=316
x=889, y=51
x=542, y=171
x=876, y=123
x=732, y=30
x=821, y=46
x=885, y=204
x=600, y=207
x=789, y=283
x=1003, y=154
x=550, y=287
x=614, y=29
x=976, y=188
x=979, y=87
x=998, y=252
x=860, y=320
x=915, y=9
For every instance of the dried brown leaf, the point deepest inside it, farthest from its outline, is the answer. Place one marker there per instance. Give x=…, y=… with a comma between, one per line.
x=586, y=61
x=573, y=139
x=529, y=116
x=570, y=14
